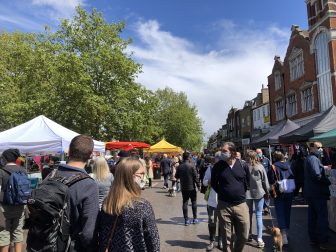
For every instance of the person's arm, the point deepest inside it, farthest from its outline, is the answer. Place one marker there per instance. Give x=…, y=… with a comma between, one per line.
x=88, y=214
x=247, y=176
x=151, y=233
x=315, y=171
x=207, y=177
x=214, y=177
x=265, y=183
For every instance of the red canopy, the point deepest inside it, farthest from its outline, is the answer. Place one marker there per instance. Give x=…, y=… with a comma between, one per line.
x=125, y=145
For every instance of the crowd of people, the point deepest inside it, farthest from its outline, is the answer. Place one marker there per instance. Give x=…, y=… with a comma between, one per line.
x=96, y=205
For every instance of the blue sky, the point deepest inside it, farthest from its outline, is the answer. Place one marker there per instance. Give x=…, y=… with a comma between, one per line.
x=218, y=52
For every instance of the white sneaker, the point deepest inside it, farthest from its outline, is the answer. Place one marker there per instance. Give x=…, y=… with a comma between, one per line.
x=260, y=243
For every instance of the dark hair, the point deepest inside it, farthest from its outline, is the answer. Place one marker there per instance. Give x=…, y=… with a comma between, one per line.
x=10, y=155
x=80, y=148
x=186, y=155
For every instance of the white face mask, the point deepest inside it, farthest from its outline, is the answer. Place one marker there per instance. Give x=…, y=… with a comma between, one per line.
x=140, y=182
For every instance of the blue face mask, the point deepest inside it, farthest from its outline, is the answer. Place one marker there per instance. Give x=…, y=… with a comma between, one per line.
x=225, y=156
x=260, y=155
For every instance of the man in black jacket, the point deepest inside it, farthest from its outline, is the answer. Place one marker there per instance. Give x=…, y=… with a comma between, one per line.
x=230, y=179
x=165, y=169
x=187, y=174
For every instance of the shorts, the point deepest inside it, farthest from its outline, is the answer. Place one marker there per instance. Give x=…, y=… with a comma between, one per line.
x=14, y=223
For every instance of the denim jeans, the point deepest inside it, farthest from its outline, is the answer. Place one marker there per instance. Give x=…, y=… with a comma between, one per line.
x=165, y=180
x=283, y=205
x=258, y=205
x=318, y=220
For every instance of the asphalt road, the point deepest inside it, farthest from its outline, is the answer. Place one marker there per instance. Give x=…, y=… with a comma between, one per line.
x=175, y=236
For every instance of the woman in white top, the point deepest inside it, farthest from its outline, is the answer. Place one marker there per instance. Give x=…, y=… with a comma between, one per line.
x=104, y=178
x=212, y=209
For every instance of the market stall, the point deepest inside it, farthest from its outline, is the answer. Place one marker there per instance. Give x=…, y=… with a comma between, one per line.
x=164, y=147
x=320, y=125
x=40, y=135
x=126, y=146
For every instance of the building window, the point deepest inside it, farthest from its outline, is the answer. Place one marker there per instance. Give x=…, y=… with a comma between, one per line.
x=296, y=66
x=323, y=71
x=279, y=110
x=291, y=105
x=307, y=99
x=248, y=120
x=277, y=79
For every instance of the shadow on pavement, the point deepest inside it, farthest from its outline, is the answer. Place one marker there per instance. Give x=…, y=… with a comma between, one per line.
x=187, y=244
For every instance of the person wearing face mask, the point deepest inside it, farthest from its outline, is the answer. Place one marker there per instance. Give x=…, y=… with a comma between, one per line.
x=230, y=178
x=316, y=192
x=127, y=221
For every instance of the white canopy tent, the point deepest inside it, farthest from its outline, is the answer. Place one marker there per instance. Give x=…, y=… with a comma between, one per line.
x=40, y=135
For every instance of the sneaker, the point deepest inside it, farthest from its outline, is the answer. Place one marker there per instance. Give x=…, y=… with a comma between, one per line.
x=210, y=246
x=164, y=187
x=260, y=243
x=250, y=238
x=187, y=222
x=195, y=221
x=220, y=244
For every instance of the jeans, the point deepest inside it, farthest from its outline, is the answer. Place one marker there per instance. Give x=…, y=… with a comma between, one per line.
x=283, y=205
x=233, y=217
x=165, y=180
x=192, y=195
x=258, y=205
x=318, y=220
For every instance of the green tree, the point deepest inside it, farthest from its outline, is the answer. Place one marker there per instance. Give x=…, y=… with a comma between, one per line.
x=179, y=120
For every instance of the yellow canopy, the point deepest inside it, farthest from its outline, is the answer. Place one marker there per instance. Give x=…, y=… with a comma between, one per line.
x=165, y=147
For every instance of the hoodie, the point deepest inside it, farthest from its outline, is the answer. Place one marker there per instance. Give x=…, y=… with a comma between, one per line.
x=283, y=171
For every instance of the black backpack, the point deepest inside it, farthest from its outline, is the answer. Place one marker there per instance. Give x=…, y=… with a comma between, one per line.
x=49, y=218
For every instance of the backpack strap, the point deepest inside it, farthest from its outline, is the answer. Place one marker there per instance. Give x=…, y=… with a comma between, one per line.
x=275, y=172
x=69, y=181
x=7, y=170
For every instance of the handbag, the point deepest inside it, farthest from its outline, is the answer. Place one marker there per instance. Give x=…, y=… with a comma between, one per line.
x=111, y=235
x=207, y=193
x=275, y=188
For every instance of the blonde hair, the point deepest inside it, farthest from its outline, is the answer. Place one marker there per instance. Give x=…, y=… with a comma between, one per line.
x=100, y=169
x=252, y=158
x=123, y=191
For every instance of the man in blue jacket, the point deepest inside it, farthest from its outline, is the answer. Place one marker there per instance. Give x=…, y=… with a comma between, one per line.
x=316, y=192
x=83, y=200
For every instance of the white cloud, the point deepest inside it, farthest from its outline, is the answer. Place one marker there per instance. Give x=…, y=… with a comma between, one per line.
x=59, y=8
x=215, y=80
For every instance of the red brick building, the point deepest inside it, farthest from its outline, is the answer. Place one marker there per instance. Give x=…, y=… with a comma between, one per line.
x=304, y=84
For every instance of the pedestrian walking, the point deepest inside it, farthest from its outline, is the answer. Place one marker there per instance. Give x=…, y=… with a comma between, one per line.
x=187, y=175
x=149, y=170
x=212, y=209
x=230, y=179
x=281, y=172
x=71, y=191
x=165, y=170
x=259, y=188
x=267, y=165
x=127, y=221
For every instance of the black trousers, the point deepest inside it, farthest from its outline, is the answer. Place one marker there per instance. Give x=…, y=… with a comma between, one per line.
x=192, y=195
